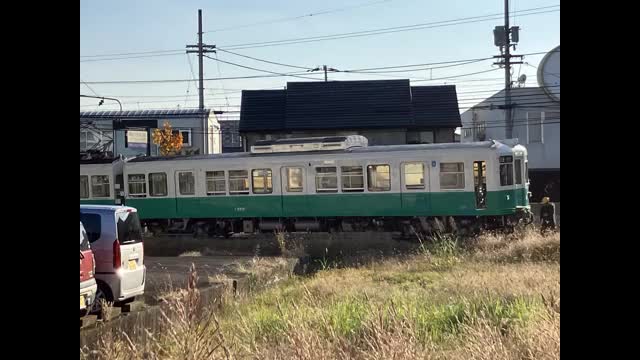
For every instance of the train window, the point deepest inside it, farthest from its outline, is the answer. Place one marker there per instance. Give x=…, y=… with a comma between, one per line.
x=506, y=170
x=452, y=175
x=84, y=187
x=186, y=183
x=295, y=179
x=216, y=183
x=526, y=171
x=100, y=186
x=518, y=170
x=352, y=178
x=262, y=181
x=326, y=179
x=378, y=177
x=414, y=175
x=157, y=184
x=137, y=185
x=238, y=182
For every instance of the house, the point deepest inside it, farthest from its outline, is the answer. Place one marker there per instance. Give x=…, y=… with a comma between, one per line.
x=231, y=140
x=386, y=112
x=128, y=133
x=536, y=124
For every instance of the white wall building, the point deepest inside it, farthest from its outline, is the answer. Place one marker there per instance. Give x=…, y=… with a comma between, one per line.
x=536, y=123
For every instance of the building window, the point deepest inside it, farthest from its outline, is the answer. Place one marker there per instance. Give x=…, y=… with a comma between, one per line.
x=352, y=179
x=186, y=136
x=534, y=126
x=238, y=182
x=518, y=169
x=137, y=185
x=295, y=180
x=262, y=181
x=100, y=186
x=506, y=170
x=91, y=139
x=452, y=175
x=186, y=183
x=157, y=184
x=378, y=178
x=326, y=179
x=84, y=187
x=216, y=183
x=420, y=137
x=414, y=175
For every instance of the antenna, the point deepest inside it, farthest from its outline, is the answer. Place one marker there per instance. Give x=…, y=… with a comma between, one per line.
x=521, y=80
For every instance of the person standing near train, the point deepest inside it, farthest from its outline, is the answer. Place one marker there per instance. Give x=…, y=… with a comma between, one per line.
x=547, y=216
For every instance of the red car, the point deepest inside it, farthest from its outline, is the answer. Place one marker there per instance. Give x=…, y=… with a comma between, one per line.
x=88, y=286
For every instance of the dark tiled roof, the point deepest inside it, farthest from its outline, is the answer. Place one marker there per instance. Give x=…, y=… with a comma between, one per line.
x=435, y=106
x=262, y=110
x=340, y=104
x=349, y=105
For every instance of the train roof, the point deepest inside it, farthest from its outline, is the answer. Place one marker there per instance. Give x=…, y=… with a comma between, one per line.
x=368, y=149
x=98, y=161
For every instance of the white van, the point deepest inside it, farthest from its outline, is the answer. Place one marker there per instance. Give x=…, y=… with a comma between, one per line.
x=115, y=235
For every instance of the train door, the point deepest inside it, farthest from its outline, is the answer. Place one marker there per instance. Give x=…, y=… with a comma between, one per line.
x=480, y=183
x=185, y=185
x=294, y=191
x=414, y=188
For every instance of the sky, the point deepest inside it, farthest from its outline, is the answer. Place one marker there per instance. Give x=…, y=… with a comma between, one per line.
x=125, y=26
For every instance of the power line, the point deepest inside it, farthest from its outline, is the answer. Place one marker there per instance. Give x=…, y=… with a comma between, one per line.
x=261, y=70
x=89, y=87
x=131, y=53
x=324, y=12
x=380, y=31
x=132, y=57
x=488, y=17
x=262, y=60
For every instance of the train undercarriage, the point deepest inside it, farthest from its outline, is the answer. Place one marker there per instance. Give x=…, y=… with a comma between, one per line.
x=407, y=226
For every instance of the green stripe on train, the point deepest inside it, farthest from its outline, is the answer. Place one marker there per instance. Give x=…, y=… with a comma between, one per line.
x=344, y=204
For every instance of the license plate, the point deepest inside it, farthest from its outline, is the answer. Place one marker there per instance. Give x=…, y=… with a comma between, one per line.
x=132, y=265
x=82, y=302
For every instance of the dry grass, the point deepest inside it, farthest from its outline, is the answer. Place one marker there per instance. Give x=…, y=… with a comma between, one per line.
x=496, y=297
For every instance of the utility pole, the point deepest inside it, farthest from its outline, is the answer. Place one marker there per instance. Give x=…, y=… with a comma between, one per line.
x=325, y=69
x=503, y=37
x=201, y=50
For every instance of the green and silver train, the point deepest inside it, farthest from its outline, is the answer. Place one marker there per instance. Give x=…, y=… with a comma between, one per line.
x=320, y=184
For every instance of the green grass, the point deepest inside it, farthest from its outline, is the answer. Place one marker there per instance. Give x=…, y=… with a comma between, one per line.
x=495, y=298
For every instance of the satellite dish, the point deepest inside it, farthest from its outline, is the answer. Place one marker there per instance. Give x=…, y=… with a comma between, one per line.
x=522, y=79
x=549, y=74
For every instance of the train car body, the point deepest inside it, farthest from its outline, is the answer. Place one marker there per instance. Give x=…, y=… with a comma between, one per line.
x=298, y=183
x=101, y=181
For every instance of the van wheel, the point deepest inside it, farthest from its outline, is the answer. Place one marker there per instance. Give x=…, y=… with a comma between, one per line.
x=103, y=293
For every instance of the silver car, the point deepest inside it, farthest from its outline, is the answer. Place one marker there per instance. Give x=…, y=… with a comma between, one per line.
x=115, y=235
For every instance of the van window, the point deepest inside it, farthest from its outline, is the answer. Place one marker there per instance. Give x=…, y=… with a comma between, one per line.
x=84, y=239
x=92, y=225
x=129, y=228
